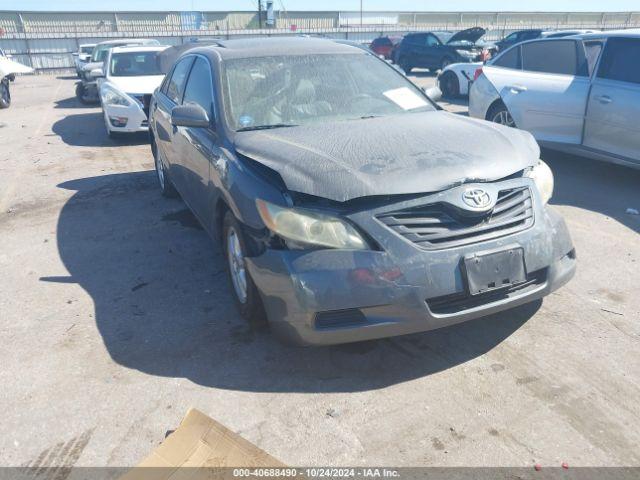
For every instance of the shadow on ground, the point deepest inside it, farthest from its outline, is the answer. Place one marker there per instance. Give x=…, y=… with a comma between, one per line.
x=163, y=304
x=88, y=130
x=597, y=186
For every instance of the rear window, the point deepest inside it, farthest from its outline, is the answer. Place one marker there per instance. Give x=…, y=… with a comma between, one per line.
x=621, y=60
x=557, y=57
x=134, y=64
x=509, y=59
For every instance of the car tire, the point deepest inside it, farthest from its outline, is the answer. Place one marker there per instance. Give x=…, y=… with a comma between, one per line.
x=404, y=65
x=245, y=293
x=164, y=181
x=5, y=94
x=81, y=95
x=449, y=85
x=499, y=113
x=446, y=61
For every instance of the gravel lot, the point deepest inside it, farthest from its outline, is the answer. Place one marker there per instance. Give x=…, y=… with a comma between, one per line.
x=116, y=317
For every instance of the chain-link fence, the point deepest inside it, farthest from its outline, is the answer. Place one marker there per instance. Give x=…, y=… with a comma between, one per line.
x=46, y=40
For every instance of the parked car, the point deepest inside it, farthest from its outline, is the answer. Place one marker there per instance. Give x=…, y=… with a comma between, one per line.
x=578, y=94
x=9, y=68
x=385, y=46
x=6, y=55
x=131, y=76
x=436, y=50
x=82, y=56
x=87, y=88
x=349, y=205
x=520, y=36
x=455, y=80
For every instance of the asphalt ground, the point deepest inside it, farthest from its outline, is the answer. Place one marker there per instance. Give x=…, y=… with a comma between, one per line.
x=116, y=316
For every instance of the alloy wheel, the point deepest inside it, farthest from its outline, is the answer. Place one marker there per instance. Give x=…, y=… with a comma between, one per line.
x=503, y=117
x=235, y=257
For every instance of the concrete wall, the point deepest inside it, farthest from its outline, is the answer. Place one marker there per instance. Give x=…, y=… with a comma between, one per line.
x=45, y=40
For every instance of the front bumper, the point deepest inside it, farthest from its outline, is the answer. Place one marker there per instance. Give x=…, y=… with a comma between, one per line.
x=136, y=119
x=325, y=297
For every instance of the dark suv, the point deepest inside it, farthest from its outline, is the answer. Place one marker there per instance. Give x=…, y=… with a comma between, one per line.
x=436, y=50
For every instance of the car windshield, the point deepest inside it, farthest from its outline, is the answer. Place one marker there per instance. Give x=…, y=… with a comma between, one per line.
x=270, y=92
x=134, y=64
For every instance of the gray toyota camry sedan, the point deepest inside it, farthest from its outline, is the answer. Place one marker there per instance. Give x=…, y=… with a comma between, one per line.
x=351, y=207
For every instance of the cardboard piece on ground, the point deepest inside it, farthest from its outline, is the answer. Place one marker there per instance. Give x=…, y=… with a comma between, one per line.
x=200, y=444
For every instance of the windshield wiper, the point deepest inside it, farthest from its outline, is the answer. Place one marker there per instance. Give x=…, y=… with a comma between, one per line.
x=266, y=127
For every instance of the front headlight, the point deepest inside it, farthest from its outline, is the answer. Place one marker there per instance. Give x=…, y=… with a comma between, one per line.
x=111, y=97
x=543, y=178
x=309, y=227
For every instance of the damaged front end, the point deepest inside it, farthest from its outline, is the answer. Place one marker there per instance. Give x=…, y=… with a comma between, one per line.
x=370, y=267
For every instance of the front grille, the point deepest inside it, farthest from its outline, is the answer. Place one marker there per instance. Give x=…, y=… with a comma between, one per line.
x=145, y=100
x=461, y=301
x=440, y=225
x=350, y=317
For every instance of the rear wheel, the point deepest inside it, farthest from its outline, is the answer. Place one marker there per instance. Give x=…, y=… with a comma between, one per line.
x=245, y=292
x=404, y=65
x=166, y=186
x=499, y=113
x=449, y=85
x=5, y=94
x=84, y=96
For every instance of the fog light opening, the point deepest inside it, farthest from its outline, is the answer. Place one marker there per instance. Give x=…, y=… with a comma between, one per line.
x=118, y=121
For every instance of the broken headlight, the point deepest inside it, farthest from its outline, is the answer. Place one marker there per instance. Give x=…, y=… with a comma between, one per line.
x=310, y=228
x=543, y=178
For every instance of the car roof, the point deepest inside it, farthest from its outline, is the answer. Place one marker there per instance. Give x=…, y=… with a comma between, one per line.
x=628, y=33
x=87, y=45
x=139, y=48
x=274, y=46
x=124, y=41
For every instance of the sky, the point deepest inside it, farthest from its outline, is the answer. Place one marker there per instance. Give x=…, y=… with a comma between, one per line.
x=346, y=5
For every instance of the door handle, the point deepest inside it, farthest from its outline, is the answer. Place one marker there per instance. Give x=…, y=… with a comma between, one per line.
x=604, y=99
x=517, y=88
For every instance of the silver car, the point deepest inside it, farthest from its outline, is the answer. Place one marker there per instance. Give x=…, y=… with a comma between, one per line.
x=579, y=94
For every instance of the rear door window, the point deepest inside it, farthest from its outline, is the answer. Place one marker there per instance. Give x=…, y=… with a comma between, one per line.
x=509, y=59
x=431, y=41
x=621, y=60
x=175, y=86
x=592, y=52
x=557, y=57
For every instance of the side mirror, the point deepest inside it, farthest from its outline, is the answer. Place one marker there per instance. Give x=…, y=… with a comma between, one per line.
x=189, y=115
x=434, y=93
x=96, y=73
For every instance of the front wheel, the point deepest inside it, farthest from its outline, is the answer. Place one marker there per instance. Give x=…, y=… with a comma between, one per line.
x=449, y=85
x=245, y=292
x=5, y=94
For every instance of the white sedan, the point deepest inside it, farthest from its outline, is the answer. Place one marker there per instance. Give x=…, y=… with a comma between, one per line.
x=131, y=75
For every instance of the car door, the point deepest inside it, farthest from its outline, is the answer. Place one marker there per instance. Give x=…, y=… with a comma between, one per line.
x=416, y=47
x=547, y=96
x=611, y=124
x=198, y=146
x=171, y=95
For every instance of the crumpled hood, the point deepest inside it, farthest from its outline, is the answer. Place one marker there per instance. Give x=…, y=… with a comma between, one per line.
x=403, y=154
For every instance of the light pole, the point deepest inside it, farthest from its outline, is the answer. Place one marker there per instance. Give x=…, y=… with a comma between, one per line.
x=360, y=13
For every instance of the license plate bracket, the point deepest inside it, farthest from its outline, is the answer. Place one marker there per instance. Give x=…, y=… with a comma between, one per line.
x=494, y=270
